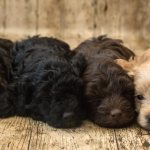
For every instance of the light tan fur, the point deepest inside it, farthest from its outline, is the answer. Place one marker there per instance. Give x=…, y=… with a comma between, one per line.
x=139, y=68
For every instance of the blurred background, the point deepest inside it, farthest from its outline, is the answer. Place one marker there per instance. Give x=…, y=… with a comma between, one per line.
x=76, y=20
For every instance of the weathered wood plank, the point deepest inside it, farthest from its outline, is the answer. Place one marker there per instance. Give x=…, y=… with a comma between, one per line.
x=69, y=20
x=127, y=20
x=23, y=133
x=129, y=138
x=75, y=21
x=79, y=16
x=20, y=17
x=49, y=17
x=2, y=17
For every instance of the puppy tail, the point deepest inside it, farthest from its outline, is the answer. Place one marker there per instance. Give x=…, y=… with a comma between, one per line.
x=78, y=63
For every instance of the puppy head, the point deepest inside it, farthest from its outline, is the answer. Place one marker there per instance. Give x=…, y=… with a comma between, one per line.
x=142, y=94
x=140, y=68
x=110, y=94
x=59, y=102
x=58, y=95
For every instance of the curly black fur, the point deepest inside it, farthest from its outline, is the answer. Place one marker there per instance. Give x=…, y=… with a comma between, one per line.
x=48, y=82
x=6, y=73
x=109, y=91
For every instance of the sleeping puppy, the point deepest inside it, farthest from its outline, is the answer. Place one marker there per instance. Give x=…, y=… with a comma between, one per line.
x=109, y=91
x=139, y=69
x=48, y=82
x=6, y=104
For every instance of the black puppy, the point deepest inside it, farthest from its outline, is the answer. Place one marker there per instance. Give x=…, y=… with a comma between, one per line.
x=5, y=61
x=109, y=91
x=6, y=73
x=48, y=82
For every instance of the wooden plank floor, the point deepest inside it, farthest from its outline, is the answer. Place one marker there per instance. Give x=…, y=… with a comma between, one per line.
x=25, y=134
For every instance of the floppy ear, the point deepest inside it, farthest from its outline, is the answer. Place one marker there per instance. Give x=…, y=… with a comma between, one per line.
x=127, y=65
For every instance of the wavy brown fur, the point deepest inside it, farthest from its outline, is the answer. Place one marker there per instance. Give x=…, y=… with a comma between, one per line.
x=109, y=91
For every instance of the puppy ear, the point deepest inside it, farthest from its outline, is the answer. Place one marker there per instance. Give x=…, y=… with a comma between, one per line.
x=78, y=63
x=127, y=65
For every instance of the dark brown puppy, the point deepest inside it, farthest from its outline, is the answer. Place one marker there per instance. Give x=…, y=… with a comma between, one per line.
x=109, y=91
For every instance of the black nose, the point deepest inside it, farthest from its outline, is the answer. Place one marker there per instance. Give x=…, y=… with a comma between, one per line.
x=148, y=118
x=68, y=116
x=115, y=113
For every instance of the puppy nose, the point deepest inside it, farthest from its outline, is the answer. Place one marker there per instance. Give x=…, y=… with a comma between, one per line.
x=115, y=113
x=68, y=115
x=148, y=118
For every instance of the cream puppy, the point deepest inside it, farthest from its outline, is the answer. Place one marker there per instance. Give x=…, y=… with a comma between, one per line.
x=139, y=68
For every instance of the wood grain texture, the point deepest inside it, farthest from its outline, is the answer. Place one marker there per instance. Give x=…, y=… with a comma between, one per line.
x=20, y=17
x=75, y=21
x=69, y=20
x=127, y=20
x=2, y=17
x=25, y=134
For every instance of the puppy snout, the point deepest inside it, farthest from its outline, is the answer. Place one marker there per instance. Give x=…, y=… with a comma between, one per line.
x=115, y=113
x=68, y=116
